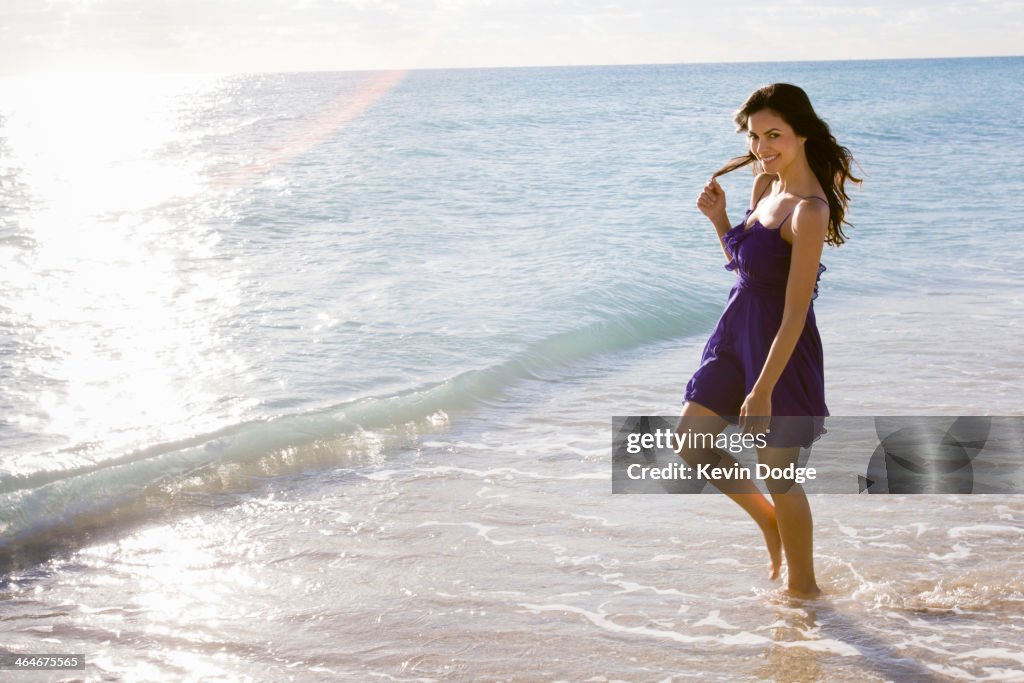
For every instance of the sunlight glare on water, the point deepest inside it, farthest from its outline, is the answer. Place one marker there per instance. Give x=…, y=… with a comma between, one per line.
x=122, y=324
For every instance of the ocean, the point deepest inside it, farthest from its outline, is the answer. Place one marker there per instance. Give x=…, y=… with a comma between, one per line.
x=311, y=376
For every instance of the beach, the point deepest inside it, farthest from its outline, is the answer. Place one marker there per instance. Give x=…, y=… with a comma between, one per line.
x=304, y=390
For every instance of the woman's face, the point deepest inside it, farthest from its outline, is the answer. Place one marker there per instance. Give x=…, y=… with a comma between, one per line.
x=772, y=140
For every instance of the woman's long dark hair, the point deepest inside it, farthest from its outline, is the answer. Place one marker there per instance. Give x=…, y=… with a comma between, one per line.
x=829, y=160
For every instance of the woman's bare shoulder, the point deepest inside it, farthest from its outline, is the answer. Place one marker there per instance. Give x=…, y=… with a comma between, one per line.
x=761, y=183
x=810, y=222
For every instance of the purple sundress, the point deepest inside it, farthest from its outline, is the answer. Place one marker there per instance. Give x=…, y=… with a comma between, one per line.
x=736, y=352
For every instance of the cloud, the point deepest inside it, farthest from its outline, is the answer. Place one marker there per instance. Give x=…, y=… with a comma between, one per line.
x=270, y=35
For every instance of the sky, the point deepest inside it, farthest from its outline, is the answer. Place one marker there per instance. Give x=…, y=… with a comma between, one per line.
x=220, y=36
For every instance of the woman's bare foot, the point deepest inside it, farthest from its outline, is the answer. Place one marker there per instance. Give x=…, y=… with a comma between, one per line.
x=773, y=540
x=804, y=592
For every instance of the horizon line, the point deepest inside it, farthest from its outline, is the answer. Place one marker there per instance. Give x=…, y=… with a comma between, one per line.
x=157, y=72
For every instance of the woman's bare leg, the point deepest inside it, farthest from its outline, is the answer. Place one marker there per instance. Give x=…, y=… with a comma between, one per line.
x=793, y=514
x=696, y=418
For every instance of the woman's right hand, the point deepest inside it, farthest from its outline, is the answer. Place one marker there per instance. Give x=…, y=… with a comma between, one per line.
x=711, y=201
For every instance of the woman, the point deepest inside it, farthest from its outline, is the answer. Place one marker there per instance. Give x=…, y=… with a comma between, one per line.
x=763, y=362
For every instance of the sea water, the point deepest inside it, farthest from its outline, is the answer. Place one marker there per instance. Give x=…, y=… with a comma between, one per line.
x=310, y=376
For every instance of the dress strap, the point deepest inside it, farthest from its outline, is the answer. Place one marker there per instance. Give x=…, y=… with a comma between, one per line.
x=785, y=219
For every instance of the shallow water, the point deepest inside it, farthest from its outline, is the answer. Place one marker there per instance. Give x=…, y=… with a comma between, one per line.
x=325, y=396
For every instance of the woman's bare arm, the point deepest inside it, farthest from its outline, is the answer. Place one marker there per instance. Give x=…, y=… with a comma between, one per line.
x=810, y=224
x=711, y=203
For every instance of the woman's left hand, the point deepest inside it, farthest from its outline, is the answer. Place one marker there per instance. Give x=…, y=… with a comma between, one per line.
x=756, y=412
